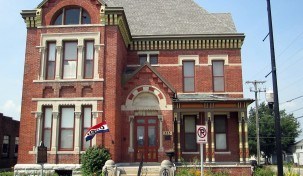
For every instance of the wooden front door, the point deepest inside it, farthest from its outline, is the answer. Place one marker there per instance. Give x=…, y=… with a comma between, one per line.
x=146, y=139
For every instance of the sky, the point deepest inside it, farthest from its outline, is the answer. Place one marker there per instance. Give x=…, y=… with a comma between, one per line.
x=250, y=17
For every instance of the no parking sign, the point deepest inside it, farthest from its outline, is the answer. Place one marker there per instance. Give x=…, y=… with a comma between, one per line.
x=201, y=132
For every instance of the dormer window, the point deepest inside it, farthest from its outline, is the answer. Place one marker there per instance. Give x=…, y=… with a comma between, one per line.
x=71, y=15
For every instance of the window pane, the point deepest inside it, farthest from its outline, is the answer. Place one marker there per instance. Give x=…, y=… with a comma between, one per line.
x=5, y=146
x=221, y=141
x=70, y=51
x=218, y=83
x=87, y=117
x=47, y=138
x=67, y=118
x=70, y=69
x=52, y=52
x=152, y=121
x=190, y=124
x=89, y=54
x=190, y=141
x=85, y=18
x=188, y=69
x=48, y=117
x=189, y=84
x=88, y=69
x=50, y=70
x=58, y=21
x=218, y=68
x=66, y=139
x=142, y=59
x=72, y=16
x=16, y=146
x=220, y=126
x=153, y=59
x=151, y=136
x=140, y=135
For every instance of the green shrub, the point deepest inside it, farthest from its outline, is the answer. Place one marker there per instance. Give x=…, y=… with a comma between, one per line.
x=264, y=171
x=93, y=160
x=6, y=173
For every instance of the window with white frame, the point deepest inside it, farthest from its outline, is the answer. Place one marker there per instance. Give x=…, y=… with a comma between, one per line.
x=47, y=126
x=218, y=75
x=71, y=15
x=189, y=76
x=71, y=56
x=220, y=132
x=5, y=146
x=66, y=132
x=87, y=123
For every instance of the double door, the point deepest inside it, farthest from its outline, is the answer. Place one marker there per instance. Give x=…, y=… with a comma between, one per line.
x=146, y=141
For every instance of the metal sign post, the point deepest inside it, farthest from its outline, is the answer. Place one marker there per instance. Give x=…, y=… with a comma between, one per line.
x=201, y=132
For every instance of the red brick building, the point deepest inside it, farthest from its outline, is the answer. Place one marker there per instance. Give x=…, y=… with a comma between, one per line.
x=9, y=141
x=152, y=69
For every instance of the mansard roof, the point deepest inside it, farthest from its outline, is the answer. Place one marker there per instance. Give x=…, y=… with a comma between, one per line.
x=172, y=17
x=200, y=97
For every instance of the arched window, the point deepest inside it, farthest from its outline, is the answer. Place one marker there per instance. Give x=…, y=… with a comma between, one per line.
x=71, y=15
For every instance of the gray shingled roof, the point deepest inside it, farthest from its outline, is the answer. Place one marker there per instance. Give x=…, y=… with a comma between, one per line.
x=172, y=17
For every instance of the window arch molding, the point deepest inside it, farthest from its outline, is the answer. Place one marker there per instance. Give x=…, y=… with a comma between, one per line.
x=86, y=5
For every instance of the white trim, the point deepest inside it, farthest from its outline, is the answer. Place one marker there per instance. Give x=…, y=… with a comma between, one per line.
x=214, y=93
x=190, y=153
x=148, y=52
x=223, y=57
x=178, y=65
x=182, y=58
x=223, y=153
x=68, y=99
x=68, y=26
x=68, y=80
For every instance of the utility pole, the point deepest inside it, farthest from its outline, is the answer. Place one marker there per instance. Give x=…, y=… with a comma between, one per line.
x=256, y=90
x=276, y=97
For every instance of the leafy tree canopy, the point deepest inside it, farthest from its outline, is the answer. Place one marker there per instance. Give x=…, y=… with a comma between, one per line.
x=290, y=129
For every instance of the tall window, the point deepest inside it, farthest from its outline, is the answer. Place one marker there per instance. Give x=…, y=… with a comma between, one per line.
x=16, y=146
x=47, y=127
x=87, y=123
x=89, y=59
x=189, y=76
x=67, y=128
x=70, y=60
x=218, y=76
x=220, y=132
x=51, y=61
x=5, y=146
x=72, y=15
x=190, y=133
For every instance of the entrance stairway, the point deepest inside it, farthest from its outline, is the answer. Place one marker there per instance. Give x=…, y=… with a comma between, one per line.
x=133, y=170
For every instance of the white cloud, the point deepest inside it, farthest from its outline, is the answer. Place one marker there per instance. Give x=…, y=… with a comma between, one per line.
x=11, y=109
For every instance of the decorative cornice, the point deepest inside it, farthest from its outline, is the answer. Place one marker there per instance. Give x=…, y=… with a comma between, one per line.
x=183, y=43
x=116, y=16
x=32, y=18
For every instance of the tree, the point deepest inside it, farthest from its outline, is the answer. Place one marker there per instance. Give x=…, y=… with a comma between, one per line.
x=290, y=129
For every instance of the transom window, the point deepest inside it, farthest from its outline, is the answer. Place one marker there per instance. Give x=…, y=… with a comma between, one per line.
x=72, y=15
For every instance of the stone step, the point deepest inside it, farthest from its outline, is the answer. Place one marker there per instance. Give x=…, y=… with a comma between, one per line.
x=133, y=170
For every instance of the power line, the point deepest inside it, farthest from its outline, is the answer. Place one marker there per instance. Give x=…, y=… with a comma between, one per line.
x=296, y=110
x=292, y=99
